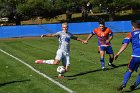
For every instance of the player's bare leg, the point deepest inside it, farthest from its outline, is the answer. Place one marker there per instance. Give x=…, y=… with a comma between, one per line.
x=98, y=49
x=55, y=62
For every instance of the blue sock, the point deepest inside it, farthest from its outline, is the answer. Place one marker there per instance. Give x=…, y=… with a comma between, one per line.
x=127, y=75
x=102, y=62
x=137, y=81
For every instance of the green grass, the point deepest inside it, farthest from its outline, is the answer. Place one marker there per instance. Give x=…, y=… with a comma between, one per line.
x=85, y=75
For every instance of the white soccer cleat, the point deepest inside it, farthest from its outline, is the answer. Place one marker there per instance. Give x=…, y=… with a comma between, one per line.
x=103, y=68
x=109, y=64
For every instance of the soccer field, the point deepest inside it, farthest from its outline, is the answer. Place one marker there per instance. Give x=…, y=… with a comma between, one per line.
x=19, y=73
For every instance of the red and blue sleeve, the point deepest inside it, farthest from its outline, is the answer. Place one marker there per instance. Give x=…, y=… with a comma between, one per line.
x=127, y=39
x=110, y=32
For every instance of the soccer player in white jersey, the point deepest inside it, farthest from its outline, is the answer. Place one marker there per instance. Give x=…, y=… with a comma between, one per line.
x=63, y=50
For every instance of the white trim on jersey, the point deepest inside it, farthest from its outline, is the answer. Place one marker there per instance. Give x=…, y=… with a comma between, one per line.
x=126, y=38
x=135, y=56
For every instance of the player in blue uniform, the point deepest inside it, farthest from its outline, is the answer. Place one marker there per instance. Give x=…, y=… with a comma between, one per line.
x=134, y=38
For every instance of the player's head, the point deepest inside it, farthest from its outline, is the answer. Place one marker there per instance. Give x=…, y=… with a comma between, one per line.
x=65, y=27
x=102, y=25
x=135, y=25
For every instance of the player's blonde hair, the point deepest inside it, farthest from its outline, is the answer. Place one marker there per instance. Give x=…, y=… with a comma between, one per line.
x=65, y=24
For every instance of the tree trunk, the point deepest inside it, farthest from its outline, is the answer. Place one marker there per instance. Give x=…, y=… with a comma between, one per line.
x=111, y=16
x=17, y=19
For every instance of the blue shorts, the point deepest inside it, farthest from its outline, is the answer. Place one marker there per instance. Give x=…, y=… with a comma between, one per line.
x=108, y=49
x=134, y=63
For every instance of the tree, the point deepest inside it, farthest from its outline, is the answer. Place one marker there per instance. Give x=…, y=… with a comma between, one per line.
x=9, y=9
x=114, y=6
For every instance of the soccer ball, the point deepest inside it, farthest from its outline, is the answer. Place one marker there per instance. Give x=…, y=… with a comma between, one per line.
x=60, y=69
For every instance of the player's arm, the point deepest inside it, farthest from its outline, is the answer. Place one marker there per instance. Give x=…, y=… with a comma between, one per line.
x=78, y=39
x=49, y=35
x=123, y=47
x=88, y=38
x=125, y=43
x=110, y=37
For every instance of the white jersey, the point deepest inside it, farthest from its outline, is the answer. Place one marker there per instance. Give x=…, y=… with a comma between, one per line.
x=64, y=40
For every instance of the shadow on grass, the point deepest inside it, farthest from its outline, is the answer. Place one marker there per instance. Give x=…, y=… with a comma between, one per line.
x=83, y=73
x=11, y=82
x=131, y=91
x=67, y=77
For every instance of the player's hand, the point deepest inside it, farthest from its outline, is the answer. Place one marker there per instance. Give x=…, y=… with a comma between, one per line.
x=115, y=57
x=85, y=42
x=107, y=41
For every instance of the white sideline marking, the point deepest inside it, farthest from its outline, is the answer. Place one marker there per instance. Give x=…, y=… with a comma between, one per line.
x=52, y=80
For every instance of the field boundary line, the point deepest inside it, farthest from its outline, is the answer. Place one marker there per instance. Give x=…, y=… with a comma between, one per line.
x=44, y=75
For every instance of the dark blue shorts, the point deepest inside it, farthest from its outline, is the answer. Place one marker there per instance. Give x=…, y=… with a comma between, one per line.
x=134, y=63
x=108, y=49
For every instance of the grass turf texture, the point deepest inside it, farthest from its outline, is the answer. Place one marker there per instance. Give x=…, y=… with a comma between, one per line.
x=85, y=75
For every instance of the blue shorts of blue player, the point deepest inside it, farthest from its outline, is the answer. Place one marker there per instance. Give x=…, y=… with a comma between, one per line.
x=132, y=66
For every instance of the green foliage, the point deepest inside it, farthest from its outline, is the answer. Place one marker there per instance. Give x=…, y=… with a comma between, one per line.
x=96, y=10
x=114, y=6
x=17, y=10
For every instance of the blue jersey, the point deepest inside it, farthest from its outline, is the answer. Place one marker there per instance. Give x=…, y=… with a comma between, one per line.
x=134, y=38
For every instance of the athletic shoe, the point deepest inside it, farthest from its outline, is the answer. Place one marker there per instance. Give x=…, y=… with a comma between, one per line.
x=103, y=68
x=39, y=61
x=132, y=87
x=121, y=87
x=110, y=64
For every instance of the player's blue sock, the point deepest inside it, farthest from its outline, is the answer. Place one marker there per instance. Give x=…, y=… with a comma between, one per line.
x=137, y=81
x=127, y=75
x=102, y=62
